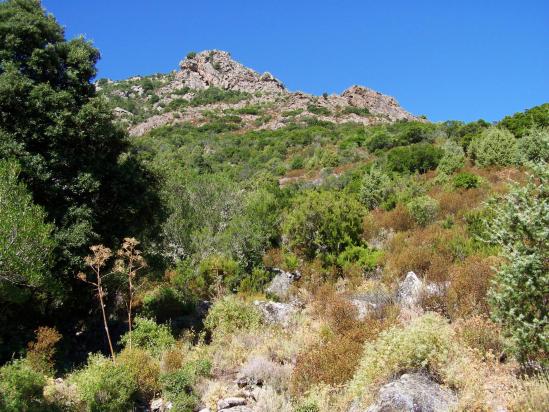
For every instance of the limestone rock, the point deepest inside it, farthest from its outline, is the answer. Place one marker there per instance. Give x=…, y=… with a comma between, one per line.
x=409, y=291
x=281, y=282
x=230, y=402
x=276, y=312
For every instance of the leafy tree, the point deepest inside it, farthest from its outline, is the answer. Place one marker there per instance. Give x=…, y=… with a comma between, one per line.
x=323, y=223
x=63, y=136
x=419, y=157
x=25, y=243
x=494, y=147
x=534, y=146
x=521, y=286
x=520, y=123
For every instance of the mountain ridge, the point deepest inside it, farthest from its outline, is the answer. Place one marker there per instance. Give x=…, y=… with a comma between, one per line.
x=279, y=106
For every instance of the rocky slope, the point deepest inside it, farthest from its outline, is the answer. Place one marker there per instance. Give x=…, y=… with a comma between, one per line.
x=263, y=101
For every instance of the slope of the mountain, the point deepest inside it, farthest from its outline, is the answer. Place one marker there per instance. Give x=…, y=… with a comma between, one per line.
x=212, y=83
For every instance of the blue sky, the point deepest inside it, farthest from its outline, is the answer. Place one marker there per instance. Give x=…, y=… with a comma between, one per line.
x=446, y=59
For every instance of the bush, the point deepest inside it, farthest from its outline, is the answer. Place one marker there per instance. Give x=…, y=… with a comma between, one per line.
x=494, y=147
x=519, y=293
x=424, y=344
x=178, y=385
x=520, y=123
x=105, y=386
x=362, y=257
x=41, y=352
x=165, y=303
x=143, y=369
x=149, y=335
x=534, y=146
x=359, y=111
x=322, y=224
x=423, y=210
x=256, y=281
x=318, y=110
x=230, y=314
x=191, y=55
x=465, y=180
x=452, y=159
x=376, y=188
x=419, y=157
x=21, y=388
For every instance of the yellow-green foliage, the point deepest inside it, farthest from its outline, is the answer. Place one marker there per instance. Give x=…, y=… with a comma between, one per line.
x=231, y=314
x=144, y=368
x=424, y=344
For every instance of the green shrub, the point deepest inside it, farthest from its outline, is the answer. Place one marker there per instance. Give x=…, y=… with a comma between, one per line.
x=520, y=123
x=191, y=55
x=255, y=282
x=359, y=111
x=452, y=159
x=494, y=147
x=165, y=303
x=365, y=258
x=323, y=223
x=21, y=388
x=376, y=188
x=105, y=386
x=519, y=294
x=178, y=385
x=465, y=180
x=149, y=335
x=424, y=344
x=297, y=162
x=534, y=146
x=423, y=210
x=318, y=110
x=419, y=157
x=230, y=314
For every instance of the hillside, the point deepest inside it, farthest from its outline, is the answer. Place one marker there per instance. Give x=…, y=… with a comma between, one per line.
x=212, y=82
x=207, y=240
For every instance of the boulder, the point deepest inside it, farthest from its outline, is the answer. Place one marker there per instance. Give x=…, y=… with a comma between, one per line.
x=230, y=402
x=409, y=291
x=414, y=392
x=367, y=303
x=276, y=312
x=160, y=405
x=281, y=282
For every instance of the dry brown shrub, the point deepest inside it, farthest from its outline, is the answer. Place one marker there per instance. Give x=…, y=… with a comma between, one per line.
x=397, y=219
x=41, y=352
x=480, y=333
x=273, y=258
x=315, y=275
x=144, y=369
x=458, y=202
x=469, y=283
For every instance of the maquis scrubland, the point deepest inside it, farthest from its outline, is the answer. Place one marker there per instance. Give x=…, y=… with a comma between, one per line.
x=206, y=240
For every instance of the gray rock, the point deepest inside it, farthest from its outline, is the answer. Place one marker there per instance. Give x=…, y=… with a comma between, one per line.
x=413, y=392
x=160, y=405
x=236, y=409
x=281, y=282
x=276, y=312
x=230, y=402
x=409, y=291
x=367, y=303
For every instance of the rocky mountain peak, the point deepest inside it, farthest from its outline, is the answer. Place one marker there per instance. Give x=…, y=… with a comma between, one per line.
x=216, y=68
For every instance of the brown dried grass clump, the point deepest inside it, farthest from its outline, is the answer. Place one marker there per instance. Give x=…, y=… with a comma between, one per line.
x=41, y=352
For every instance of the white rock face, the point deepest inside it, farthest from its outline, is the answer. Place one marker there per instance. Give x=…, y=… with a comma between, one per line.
x=276, y=312
x=409, y=291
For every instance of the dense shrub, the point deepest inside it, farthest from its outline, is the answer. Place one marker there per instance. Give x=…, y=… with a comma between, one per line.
x=359, y=111
x=376, y=188
x=423, y=344
x=534, y=146
x=144, y=369
x=105, y=386
x=322, y=223
x=149, y=335
x=520, y=123
x=41, y=352
x=519, y=293
x=178, y=386
x=452, y=159
x=318, y=110
x=231, y=314
x=364, y=258
x=419, y=157
x=494, y=147
x=21, y=388
x=423, y=210
x=465, y=180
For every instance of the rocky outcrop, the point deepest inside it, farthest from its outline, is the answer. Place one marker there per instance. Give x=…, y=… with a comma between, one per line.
x=413, y=392
x=281, y=283
x=276, y=312
x=216, y=68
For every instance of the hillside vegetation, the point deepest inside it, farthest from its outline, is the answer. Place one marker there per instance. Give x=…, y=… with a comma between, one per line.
x=215, y=264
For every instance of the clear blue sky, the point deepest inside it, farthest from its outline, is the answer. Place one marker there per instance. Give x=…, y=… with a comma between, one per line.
x=459, y=59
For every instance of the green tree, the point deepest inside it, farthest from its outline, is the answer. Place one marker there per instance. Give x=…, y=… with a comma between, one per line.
x=452, y=159
x=534, y=146
x=376, y=188
x=521, y=286
x=323, y=223
x=25, y=242
x=71, y=155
